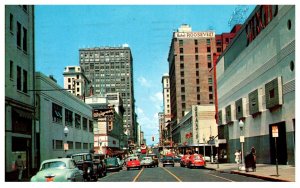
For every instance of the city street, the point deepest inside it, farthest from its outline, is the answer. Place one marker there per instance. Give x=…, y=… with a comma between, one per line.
x=174, y=174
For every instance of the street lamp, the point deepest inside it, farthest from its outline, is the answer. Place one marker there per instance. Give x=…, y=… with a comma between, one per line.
x=242, y=140
x=66, y=132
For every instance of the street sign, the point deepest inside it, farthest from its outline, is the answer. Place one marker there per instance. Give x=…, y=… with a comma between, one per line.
x=66, y=146
x=275, y=131
x=242, y=139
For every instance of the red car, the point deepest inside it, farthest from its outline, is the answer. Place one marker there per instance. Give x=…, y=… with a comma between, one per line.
x=133, y=162
x=184, y=160
x=196, y=160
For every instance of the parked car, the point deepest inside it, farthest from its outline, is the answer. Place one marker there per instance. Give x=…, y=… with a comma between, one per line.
x=133, y=162
x=147, y=162
x=113, y=163
x=177, y=159
x=154, y=158
x=58, y=170
x=91, y=170
x=196, y=160
x=184, y=160
x=167, y=160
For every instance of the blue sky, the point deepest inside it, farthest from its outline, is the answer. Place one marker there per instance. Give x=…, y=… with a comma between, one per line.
x=60, y=31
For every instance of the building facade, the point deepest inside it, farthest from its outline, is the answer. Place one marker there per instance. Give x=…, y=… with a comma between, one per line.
x=256, y=86
x=57, y=110
x=109, y=136
x=190, y=59
x=110, y=69
x=19, y=85
x=76, y=82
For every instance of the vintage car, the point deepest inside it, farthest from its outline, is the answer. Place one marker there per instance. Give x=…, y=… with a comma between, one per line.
x=113, y=164
x=147, y=162
x=91, y=170
x=58, y=170
x=154, y=158
x=168, y=160
x=133, y=162
x=196, y=160
x=184, y=160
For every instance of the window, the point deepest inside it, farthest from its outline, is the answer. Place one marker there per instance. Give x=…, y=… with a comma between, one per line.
x=24, y=39
x=219, y=42
x=24, y=81
x=18, y=34
x=11, y=69
x=91, y=127
x=84, y=124
x=181, y=50
x=69, y=80
x=181, y=65
x=19, y=78
x=182, y=81
x=183, y=105
x=77, y=121
x=210, y=81
x=196, y=50
x=196, y=42
x=183, y=97
x=56, y=113
x=198, y=89
x=85, y=146
x=70, y=145
x=58, y=144
x=208, y=58
x=209, y=65
x=196, y=57
x=198, y=97
x=182, y=74
x=197, y=65
x=11, y=23
x=208, y=41
x=180, y=42
x=208, y=49
x=182, y=89
x=77, y=145
x=181, y=58
x=68, y=117
x=210, y=88
x=197, y=73
x=219, y=49
x=210, y=96
x=197, y=81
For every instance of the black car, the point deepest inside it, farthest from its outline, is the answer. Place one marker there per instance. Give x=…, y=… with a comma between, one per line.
x=167, y=160
x=113, y=163
x=91, y=170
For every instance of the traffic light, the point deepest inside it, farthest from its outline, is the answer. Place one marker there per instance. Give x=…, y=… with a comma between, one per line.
x=152, y=138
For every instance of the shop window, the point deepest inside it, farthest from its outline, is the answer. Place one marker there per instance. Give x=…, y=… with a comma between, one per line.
x=77, y=121
x=56, y=113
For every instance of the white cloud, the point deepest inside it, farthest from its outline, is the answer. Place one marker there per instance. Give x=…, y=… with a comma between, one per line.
x=144, y=82
x=157, y=100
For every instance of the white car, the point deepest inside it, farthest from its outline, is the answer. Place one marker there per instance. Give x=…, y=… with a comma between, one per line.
x=147, y=162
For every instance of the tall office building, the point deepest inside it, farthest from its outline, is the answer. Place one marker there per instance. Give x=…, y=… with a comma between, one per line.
x=19, y=85
x=190, y=59
x=110, y=70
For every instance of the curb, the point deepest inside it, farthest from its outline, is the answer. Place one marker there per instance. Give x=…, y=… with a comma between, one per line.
x=250, y=175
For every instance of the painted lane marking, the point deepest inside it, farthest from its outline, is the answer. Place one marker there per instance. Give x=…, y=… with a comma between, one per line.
x=221, y=177
x=137, y=176
x=172, y=174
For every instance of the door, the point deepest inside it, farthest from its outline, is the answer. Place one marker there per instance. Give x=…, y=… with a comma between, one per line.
x=280, y=148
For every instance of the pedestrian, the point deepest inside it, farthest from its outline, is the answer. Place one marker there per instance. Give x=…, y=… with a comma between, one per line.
x=253, y=152
x=20, y=167
x=237, y=156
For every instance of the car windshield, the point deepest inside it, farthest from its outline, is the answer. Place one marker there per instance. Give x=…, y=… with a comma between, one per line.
x=146, y=158
x=111, y=161
x=54, y=164
x=197, y=157
x=168, y=158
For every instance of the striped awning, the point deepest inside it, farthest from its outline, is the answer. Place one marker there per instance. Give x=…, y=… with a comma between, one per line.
x=23, y=114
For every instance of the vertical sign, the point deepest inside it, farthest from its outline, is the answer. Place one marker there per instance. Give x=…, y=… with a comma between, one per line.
x=275, y=131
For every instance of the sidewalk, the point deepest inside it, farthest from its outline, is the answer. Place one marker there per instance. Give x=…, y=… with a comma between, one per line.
x=263, y=171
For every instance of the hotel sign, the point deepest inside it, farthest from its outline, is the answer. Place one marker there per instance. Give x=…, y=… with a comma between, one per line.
x=208, y=34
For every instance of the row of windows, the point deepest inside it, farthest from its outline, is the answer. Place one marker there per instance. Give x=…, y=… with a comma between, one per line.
x=59, y=145
x=181, y=58
x=208, y=49
x=70, y=120
x=22, y=77
x=21, y=33
x=195, y=42
x=106, y=53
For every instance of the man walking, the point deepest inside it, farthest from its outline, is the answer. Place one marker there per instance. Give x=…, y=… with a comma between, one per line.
x=20, y=167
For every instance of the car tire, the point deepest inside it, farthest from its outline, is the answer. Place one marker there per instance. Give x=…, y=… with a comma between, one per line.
x=128, y=168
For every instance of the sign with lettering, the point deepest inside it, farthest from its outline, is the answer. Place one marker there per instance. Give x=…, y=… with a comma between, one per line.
x=275, y=131
x=97, y=113
x=207, y=34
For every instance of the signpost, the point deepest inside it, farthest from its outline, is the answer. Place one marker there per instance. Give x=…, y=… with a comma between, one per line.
x=275, y=136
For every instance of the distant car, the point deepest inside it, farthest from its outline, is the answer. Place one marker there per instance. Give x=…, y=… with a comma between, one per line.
x=167, y=160
x=133, y=162
x=154, y=158
x=113, y=163
x=196, y=160
x=177, y=159
x=58, y=170
x=184, y=160
x=147, y=162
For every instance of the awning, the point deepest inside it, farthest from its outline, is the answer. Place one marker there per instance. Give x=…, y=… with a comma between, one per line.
x=23, y=114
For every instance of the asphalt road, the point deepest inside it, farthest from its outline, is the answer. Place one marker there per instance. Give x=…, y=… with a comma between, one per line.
x=174, y=174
